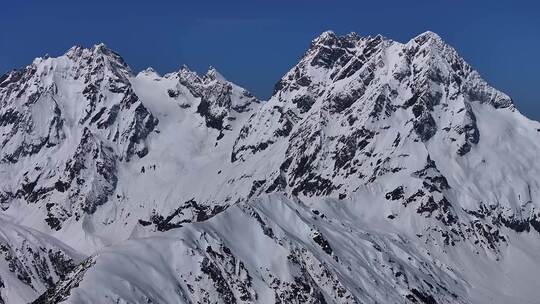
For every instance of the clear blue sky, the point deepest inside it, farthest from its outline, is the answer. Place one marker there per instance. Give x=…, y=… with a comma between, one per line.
x=255, y=42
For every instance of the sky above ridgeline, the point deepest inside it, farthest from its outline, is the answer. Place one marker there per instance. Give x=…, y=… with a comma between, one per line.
x=253, y=43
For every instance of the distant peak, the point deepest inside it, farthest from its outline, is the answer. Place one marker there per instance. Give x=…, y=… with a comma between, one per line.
x=185, y=75
x=325, y=37
x=331, y=35
x=108, y=57
x=427, y=35
x=327, y=34
x=76, y=47
x=352, y=35
x=184, y=69
x=430, y=34
x=214, y=74
x=100, y=45
x=74, y=51
x=100, y=48
x=149, y=71
x=329, y=38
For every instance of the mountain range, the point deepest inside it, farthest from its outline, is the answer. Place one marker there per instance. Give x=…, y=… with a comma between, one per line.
x=378, y=172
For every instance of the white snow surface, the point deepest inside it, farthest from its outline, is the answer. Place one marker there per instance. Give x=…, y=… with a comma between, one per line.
x=371, y=261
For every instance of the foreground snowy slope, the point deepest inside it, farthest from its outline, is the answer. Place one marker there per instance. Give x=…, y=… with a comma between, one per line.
x=276, y=250
x=378, y=171
x=31, y=262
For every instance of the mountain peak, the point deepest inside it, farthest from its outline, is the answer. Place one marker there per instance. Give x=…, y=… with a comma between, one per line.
x=99, y=49
x=74, y=51
x=326, y=35
x=213, y=74
x=149, y=71
x=428, y=36
x=101, y=55
x=100, y=45
x=329, y=38
x=104, y=50
x=78, y=50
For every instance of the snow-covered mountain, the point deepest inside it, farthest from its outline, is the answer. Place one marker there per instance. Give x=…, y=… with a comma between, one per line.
x=377, y=172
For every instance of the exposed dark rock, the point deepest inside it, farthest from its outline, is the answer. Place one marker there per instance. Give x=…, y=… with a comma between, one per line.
x=423, y=297
x=322, y=242
x=395, y=194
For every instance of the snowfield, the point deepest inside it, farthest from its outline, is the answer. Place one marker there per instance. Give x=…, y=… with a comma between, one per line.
x=378, y=172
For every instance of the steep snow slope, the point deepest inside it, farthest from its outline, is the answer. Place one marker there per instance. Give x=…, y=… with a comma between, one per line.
x=73, y=135
x=31, y=262
x=412, y=119
x=278, y=250
x=115, y=147
x=403, y=147
x=67, y=122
